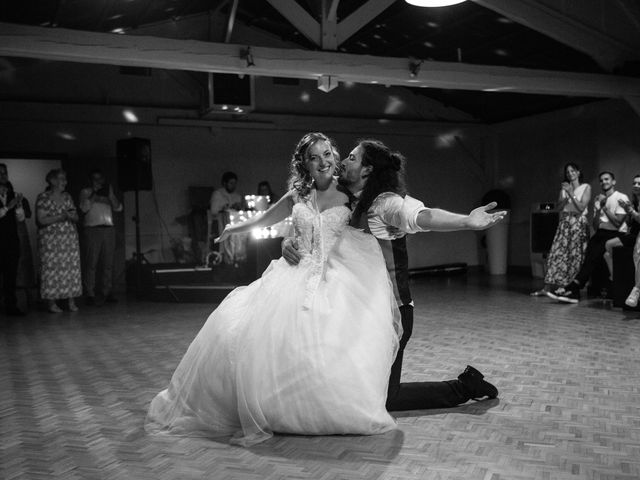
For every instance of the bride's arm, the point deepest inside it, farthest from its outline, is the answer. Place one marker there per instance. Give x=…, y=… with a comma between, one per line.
x=278, y=212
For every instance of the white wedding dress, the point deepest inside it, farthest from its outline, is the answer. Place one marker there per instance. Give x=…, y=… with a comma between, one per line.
x=304, y=349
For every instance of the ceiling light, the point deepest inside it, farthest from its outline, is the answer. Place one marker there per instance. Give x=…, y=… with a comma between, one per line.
x=433, y=3
x=66, y=135
x=130, y=116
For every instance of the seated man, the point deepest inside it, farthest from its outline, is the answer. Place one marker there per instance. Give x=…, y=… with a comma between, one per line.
x=608, y=219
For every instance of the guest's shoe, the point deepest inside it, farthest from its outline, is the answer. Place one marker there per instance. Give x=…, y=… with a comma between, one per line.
x=475, y=384
x=15, y=312
x=571, y=294
x=53, y=308
x=632, y=299
x=73, y=307
x=558, y=292
x=90, y=300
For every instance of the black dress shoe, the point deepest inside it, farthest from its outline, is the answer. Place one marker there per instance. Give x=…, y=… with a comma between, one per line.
x=475, y=384
x=90, y=300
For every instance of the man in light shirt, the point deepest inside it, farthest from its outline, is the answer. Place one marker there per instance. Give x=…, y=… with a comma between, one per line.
x=375, y=177
x=11, y=212
x=608, y=220
x=98, y=203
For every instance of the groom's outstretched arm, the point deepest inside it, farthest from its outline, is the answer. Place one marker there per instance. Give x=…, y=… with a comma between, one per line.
x=439, y=220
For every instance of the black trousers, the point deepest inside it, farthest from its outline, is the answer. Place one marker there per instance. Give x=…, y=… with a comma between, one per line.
x=8, y=274
x=419, y=395
x=593, y=254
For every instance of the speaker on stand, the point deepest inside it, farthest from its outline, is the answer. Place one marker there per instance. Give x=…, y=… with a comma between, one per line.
x=134, y=174
x=544, y=223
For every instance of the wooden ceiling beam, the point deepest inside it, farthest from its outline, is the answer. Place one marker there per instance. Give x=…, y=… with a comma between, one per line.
x=607, y=51
x=361, y=17
x=299, y=18
x=192, y=55
x=329, y=14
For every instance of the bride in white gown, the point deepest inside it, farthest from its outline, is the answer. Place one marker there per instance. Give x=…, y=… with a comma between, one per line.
x=304, y=349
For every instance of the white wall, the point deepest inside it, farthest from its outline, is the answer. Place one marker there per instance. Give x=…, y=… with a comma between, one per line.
x=444, y=176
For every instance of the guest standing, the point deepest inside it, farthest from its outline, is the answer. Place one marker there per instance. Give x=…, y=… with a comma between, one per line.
x=98, y=202
x=11, y=213
x=58, y=244
x=570, y=241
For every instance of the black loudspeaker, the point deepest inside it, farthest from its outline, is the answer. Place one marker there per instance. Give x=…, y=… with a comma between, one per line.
x=543, y=228
x=134, y=164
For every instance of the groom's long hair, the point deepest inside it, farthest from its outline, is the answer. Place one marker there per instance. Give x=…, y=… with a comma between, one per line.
x=388, y=173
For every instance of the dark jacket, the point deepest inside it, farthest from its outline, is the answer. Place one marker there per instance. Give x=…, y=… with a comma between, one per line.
x=9, y=243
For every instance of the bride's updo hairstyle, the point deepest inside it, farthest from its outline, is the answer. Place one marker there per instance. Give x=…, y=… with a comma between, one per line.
x=388, y=173
x=299, y=178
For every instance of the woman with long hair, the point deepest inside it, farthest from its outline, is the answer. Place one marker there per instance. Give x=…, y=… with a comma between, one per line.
x=571, y=237
x=302, y=350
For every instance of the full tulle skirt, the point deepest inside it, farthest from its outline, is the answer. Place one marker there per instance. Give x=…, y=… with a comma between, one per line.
x=304, y=349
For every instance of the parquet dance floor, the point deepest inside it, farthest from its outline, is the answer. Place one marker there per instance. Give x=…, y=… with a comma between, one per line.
x=74, y=390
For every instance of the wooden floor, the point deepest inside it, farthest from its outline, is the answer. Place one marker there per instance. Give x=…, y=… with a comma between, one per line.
x=74, y=390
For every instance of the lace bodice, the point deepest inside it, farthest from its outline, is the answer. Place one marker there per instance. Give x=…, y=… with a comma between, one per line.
x=316, y=233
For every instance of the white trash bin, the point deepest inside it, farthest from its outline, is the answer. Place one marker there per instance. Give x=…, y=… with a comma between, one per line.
x=497, y=245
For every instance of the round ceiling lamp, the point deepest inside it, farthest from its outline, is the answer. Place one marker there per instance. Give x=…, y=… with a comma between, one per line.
x=433, y=3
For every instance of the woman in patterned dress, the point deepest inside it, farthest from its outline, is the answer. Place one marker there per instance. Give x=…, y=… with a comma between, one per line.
x=570, y=241
x=58, y=245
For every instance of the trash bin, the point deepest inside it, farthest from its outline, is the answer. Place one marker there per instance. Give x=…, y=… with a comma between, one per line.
x=497, y=237
x=497, y=245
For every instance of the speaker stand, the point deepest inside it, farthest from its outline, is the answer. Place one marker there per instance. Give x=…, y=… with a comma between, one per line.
x=139, y=257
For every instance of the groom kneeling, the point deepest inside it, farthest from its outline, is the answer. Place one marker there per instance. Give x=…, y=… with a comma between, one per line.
x=375, y=177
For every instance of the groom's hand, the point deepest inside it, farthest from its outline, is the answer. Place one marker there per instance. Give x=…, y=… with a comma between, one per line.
x=481, y=218
x=290, y=251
